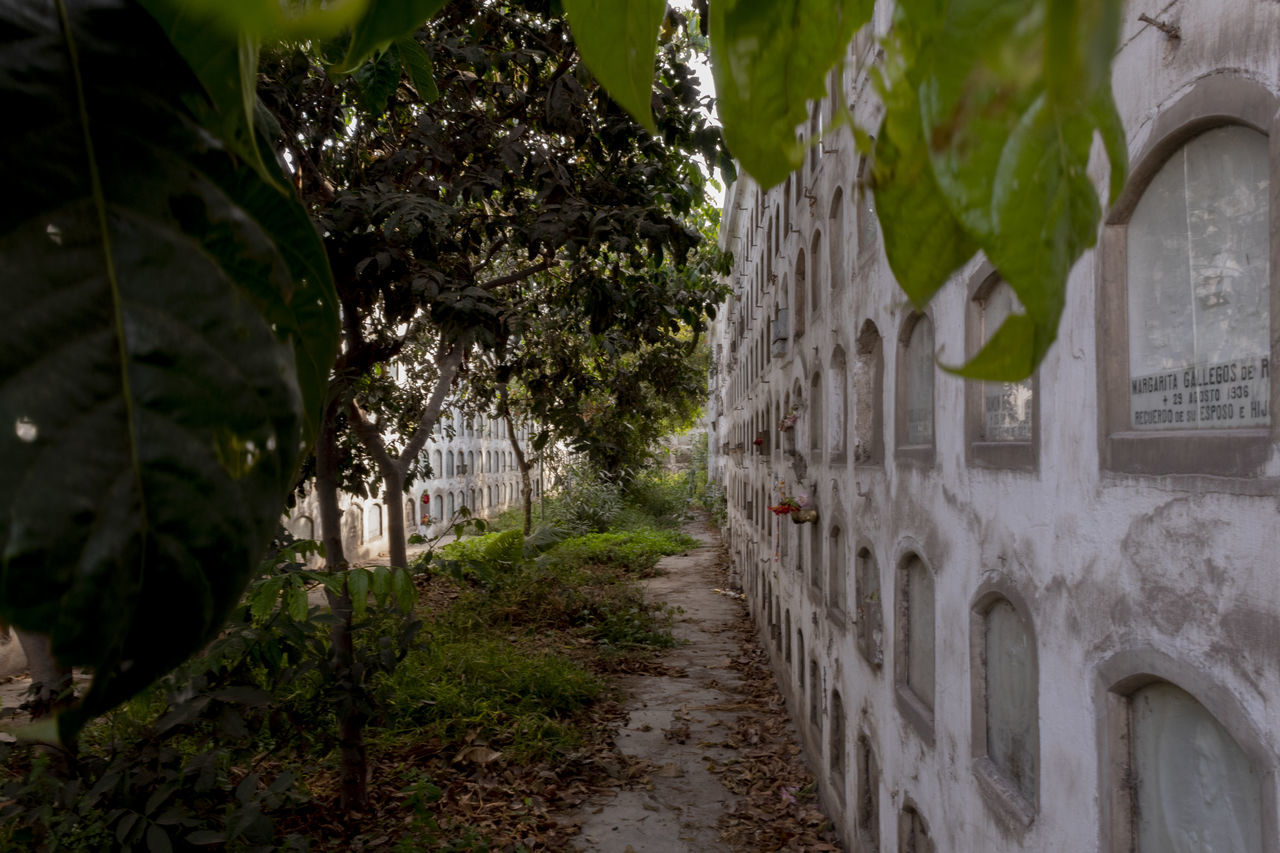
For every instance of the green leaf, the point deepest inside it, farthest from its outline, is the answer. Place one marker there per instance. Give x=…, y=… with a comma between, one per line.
x=298, y=550
x=295, y=603
x=1047, y=213
x=334, y=581
x=358, y=589
x=770, y=57
x=970, y=69
x=384, y=22
x=271, y=19
x=159, y=415
x=377, y=81
x=306, y=315
x=226, y=63
x=264, y=598
x=125, y=826
x=158, y=798
x=203, y=837
x=247, y=788
x=923, y=240
x=281, y=783
x=381, y=583
x=1083, y=37
x=1106, y=116
x=158, y=840
x=617, y=40
x=1008, y=356
x=1009, y=94
x=418, y=66
x=403, y=590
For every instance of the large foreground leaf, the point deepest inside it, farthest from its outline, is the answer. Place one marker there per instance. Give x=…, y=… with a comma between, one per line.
x=148, y=389
x=912, y=210
x=617, y=39
x=226, y=63
x=771, y=57
x=382, y=23
x=992, y=106
x=273, y=19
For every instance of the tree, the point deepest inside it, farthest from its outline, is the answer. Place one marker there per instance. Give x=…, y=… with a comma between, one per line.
x=518, y=190
x=609, y=395
x=610, y=384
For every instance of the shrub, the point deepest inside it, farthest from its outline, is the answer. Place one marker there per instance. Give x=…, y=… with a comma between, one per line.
x=624, y=621
x=661, y=496
x=713, y=501
x=511, y=518
x=480, y=560
x=589, y=501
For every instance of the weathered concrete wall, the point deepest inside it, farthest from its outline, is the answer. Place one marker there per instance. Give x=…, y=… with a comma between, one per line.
x=1122, y=578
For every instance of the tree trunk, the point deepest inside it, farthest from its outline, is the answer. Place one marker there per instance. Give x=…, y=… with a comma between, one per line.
x=354, y=755
x=526, y=487
x=394, y=469
x=397, y=547
x=354, y=795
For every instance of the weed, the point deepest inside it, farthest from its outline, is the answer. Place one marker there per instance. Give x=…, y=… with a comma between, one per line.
x=481, y=560
x=625, y=622
x=509, y=519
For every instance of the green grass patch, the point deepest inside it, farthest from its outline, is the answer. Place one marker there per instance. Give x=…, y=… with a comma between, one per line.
x=599, y=605
x=464, y=686
x=632, y=551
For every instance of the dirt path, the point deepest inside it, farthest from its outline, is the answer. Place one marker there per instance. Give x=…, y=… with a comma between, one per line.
x=713, y=723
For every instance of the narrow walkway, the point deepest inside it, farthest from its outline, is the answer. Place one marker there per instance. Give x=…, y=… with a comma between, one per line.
x=697, y=718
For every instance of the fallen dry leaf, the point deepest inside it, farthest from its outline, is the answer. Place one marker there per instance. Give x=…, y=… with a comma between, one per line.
x=477, y=755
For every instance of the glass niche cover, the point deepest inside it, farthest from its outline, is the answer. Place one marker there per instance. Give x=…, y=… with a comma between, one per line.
x=1198, y=288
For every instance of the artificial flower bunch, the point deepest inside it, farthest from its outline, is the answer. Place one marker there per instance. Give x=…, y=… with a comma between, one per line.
x=789, y=419
x=788, y=505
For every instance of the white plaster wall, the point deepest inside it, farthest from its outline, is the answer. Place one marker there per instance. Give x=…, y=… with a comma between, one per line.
x=479, y=441
x=1108, y=565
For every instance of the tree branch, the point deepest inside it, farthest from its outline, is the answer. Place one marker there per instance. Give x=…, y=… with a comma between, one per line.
x=512, y=278
x=449, y=367
x=492, y=252
x=371, y=437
